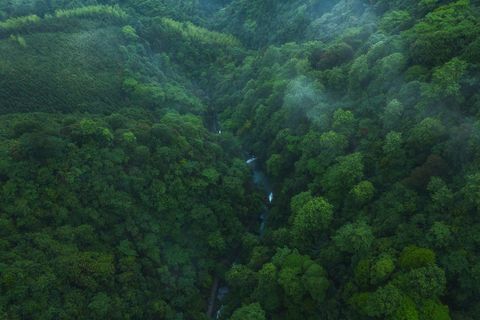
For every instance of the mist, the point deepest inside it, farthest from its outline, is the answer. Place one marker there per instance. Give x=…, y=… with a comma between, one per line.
x=243, y=160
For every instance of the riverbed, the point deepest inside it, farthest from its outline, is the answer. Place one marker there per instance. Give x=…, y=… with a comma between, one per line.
x=261, y=181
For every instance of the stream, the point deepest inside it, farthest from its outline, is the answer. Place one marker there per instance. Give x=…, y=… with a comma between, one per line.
x=260, y=180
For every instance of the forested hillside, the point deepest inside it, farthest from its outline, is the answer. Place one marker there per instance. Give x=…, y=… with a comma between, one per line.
x=243, y=159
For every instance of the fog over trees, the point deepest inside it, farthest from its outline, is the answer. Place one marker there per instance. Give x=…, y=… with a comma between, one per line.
x=240, y=159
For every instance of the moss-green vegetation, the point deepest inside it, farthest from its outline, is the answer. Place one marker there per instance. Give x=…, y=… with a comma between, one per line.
x=124, y=192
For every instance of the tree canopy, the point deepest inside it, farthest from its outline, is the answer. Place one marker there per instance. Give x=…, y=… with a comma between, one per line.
x=125, y=129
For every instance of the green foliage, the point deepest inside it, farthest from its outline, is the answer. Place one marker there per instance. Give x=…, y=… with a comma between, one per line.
x=413, y=257
x=358, y=75
x=265, y=22
x=310, y=219
x=274, y=165
x=342, y=177
x=123, y=193
x=95, y=208
x=19, y=23
x=29, y=23
x=343, y=121
x=92, y=11
x=472, y=189
x=384, y=302
x=363, y=192
x=406, y=311
x=395, y=21
x=393, y=114
x=427, y=132
x=441, y=195
x=176, y=9
x=250, y=312
x=439, y=234
x=19, y=39
x=62, y=80
x=445, y=80
x=423, y=283
x=433, y=310
x=335, y=55
x=194, y=33
x=393, y=143
x=354, y=238
x=443, y=33
x=129, y=32
x=295, y=278
x=382, y=268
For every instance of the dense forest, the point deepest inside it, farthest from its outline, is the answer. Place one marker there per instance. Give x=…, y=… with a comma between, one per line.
x=240, y=159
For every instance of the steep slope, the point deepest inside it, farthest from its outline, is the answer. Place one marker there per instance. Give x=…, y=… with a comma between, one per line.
x=369, y=134
x=51, y=71
x=119, y=203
